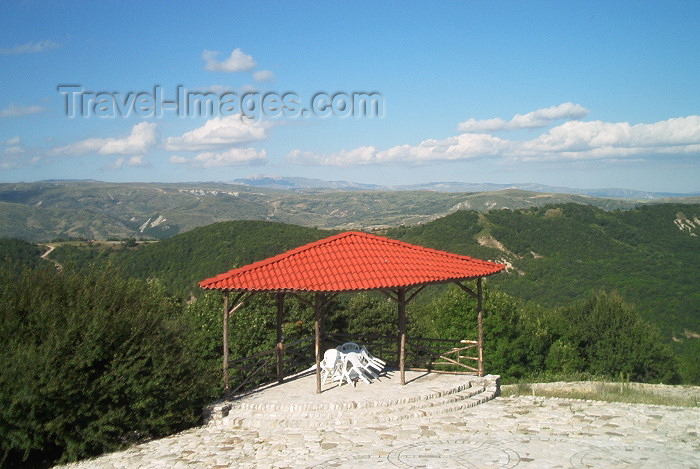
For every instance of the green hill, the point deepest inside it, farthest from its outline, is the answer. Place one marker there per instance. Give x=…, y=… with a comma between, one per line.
x=555, y=255
x=650, y=254
x=16, y=254
x=183, y=260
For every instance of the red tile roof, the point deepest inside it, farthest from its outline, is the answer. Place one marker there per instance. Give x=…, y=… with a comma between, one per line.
x=352, y=261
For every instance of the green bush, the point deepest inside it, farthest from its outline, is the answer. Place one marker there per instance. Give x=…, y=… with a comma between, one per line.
x=91, y=364
x=367, y=314
x=514, y=336
x=610, y=338
x=600, y=335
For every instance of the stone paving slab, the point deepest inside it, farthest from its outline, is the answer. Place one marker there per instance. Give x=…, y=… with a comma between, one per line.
x=503, y=432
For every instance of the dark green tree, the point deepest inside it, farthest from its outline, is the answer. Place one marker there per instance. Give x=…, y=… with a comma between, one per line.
x=604, y=335
x=90, y=364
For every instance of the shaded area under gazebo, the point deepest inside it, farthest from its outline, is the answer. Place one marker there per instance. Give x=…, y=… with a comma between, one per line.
x=346, y=263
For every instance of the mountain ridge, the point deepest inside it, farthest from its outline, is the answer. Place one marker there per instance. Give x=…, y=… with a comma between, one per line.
x=302, y=183
x=48, y=210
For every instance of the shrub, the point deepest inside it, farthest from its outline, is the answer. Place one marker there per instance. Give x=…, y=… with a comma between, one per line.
x=514, y=336
x=90, y=364
x=612, y=338
x=600, y=335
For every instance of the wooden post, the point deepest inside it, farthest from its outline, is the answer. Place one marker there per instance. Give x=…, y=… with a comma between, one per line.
x=322, y=324
x=317, y=330
x=401, y=299
x=226, y=378
x=480, y=309
x=280, y=338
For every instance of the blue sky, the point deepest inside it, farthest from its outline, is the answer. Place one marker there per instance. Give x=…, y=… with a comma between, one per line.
x=577, y=94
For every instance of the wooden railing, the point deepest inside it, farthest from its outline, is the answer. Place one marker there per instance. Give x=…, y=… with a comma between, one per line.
x=421, y=352
x=271, y=365
x=381, y=346
x=443, y=354
x=290, y=358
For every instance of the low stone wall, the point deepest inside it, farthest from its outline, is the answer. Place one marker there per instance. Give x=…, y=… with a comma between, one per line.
x=678, y=391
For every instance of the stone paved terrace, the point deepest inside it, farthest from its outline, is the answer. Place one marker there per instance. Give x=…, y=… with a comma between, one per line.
x=435, y=421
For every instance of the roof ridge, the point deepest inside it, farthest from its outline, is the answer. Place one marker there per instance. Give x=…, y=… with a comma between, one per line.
x=373, y=243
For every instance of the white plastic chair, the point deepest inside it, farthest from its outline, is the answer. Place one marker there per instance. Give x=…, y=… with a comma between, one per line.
x=330, y=365
x=348, y=347
x=372, y=361
x=353, y=368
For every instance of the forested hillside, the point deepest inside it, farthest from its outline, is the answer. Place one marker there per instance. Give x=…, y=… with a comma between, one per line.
x=182, y=261
x=558, y=254
x=555, y=255
x=16, y=254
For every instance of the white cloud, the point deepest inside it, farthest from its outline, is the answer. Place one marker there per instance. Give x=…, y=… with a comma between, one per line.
x=31, y=48
x=143, y=137
x=246, y=89
x=14, y=150
x=218, y=132
x=17, y=155
x=358, y=156
x=573, y=140
x=232, y=157
x=17, y=111
x=263, y=75
x=238, y=61
x=11, y=162
x=535, y=119
x=135, y=161
x=606, y=140
x=176, y=159
x=461, y=147
x=217, y=89
x=484, y=125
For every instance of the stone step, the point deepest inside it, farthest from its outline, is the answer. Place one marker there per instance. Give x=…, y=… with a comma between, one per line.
x=351, y=413
x=348, y=404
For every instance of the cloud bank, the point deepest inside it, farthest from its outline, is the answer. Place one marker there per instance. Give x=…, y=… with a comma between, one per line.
x=571, y=140
x=136, y=161
x=531, y=120
x=219, y=132
x=17, y=111
x=143, y=137
x=263, y=75
x=218, y=142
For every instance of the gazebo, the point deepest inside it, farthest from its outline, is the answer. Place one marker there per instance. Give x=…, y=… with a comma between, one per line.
x=351, y=262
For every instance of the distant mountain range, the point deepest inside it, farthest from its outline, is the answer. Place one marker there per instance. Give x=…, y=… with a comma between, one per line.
x=43, y=211
x=301, y=183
